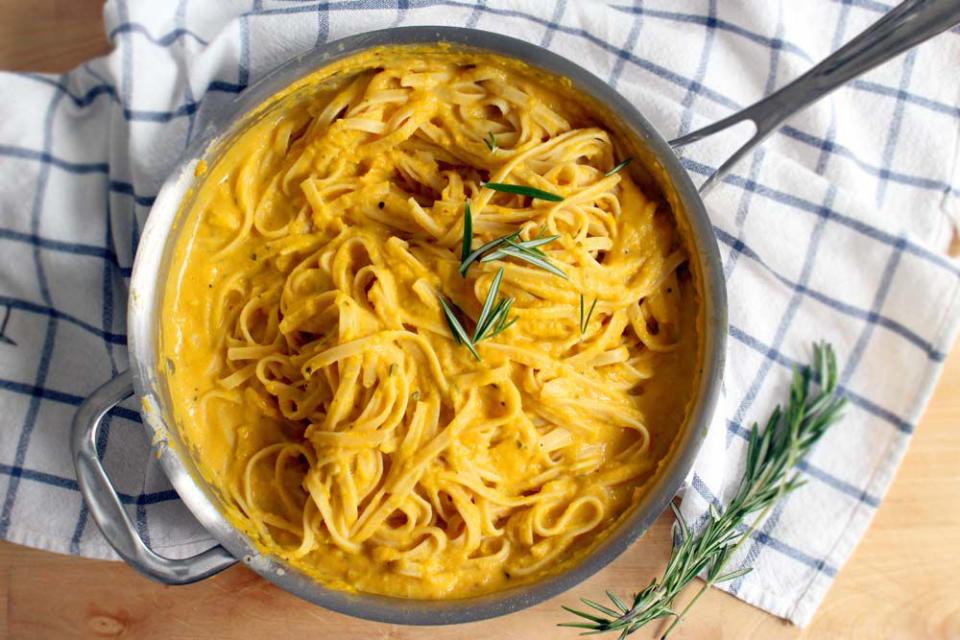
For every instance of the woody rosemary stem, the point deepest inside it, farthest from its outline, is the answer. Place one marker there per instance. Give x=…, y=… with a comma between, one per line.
x=768, y=476
x=709, y=582
x=721, y=564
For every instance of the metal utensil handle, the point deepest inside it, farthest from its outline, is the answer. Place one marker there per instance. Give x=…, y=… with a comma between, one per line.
x=105, y=506
x=905, y=26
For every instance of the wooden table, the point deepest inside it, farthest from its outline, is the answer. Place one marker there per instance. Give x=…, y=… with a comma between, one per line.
x=903, y=581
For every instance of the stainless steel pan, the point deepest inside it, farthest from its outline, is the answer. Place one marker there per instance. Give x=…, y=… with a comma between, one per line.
x=905, y=26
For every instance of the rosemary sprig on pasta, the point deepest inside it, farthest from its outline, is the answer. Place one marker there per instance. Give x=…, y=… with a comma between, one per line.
x=618, y=168
x=585, y=319
x=491, y=323
x=474, y=255
x=768, y=476
x=493, y=317
x=521, y=190
x=459, y=333
x=527, y=250
x=467, y=243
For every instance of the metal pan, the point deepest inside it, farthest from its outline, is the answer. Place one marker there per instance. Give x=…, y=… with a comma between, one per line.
x=904, y=27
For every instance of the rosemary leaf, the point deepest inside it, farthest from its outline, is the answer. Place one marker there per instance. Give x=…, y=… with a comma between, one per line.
x=582, y=614
x=504, y=324
x=768, y=475
x=515, y=251
x=490, y=141
x=459, y=334
x=733, y=575
x=599, y=607
x=581, y=314
x=488, y=305
x=617, y=168
x=585, y=320
x=531, y=247
x=467, y=235
x=521, y=190
x=536, y=242
x=496, y=319
x=493, y=244
x=617, y=601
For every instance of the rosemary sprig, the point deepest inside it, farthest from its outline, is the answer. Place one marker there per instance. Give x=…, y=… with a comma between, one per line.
x=493, y=317
x=527, y=251
x=493, y=244
x=467, y=236
x=491, y=323
x=585, y=320
x=459, y=333
x=488, y=305
x=499, y=319
x=617, y=168
x=768, y=476
x=521, y=190
x=490, y=141
x=535, y=244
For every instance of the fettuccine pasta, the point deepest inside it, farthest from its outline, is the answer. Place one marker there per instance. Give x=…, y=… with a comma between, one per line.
x=315, y=374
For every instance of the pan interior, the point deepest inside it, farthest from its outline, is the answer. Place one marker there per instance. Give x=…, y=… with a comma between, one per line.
x=652, y=169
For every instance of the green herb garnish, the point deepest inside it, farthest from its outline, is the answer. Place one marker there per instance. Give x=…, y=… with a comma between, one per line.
x=490, y=141
x=527, y=251
x=493, y=244
x=585, y=320
x=459, y=334
x=617, y=168
x=768, y=476
x=491, y=323
x=521, y=190
x=493, y=316
x=539, y=241
x=488, y=303
x=499, y=319
x=467, y=236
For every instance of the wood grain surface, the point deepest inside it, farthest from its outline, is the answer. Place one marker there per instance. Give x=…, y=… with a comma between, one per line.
x=902, y=582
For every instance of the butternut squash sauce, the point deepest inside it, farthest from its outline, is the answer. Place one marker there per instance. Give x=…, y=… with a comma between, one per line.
x=313, y=374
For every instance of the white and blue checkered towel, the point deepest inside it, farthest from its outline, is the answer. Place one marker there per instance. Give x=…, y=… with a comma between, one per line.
x=836, y=228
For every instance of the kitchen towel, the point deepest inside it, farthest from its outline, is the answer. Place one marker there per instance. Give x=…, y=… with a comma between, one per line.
x=835, y=228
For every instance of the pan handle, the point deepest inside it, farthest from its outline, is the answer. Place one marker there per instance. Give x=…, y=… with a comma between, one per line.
x=905, y=26
x=105, y=506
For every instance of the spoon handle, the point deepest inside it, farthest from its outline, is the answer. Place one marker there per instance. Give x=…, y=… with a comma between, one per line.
x=902, y=28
